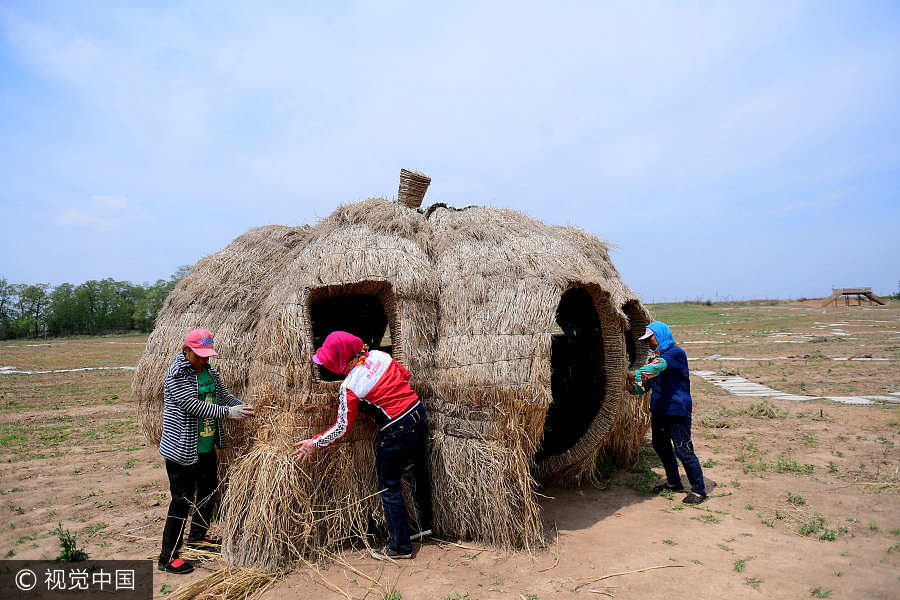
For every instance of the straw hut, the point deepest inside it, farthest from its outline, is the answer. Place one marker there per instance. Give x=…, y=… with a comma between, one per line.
x=517, y=335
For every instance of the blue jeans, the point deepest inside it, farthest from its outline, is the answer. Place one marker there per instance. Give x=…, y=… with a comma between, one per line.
x=668, y=430
x=403, y=444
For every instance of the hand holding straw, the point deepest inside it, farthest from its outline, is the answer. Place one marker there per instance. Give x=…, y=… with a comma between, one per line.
x=304, y=448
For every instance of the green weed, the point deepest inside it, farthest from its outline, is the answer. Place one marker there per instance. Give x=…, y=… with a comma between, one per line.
x=707, y=518
x=741, y=563
x=795, y=500
x=814, y=525
x=790, y=465
x=818, y=592
x=92, y=529
x=69, y=551
x=754, y=581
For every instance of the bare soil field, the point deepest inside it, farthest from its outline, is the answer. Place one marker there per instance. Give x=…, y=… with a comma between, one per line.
x=804, y=502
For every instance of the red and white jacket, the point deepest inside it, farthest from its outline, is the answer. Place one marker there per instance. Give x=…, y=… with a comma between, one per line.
x=380, y=382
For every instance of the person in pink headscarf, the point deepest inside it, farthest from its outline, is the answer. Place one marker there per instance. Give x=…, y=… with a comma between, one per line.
x=382, y=385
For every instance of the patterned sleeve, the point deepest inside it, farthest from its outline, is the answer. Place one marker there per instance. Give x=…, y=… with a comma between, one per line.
x=643, y=375
x=183, y=393
x=222, y=395
x=348, y=404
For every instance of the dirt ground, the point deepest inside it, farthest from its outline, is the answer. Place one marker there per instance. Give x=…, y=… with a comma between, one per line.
x=804, y=502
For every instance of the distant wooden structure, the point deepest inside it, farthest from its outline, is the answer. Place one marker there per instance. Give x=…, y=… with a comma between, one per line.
x=842, y=297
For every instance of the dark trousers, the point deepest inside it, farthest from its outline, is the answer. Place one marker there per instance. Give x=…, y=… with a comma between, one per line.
x=669, y=431
x=403, y=445
x=189, y=485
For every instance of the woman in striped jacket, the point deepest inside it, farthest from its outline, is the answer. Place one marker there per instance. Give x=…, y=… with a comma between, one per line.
x=197, y=402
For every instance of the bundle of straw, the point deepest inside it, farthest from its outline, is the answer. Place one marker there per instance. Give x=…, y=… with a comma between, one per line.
x=227, y=584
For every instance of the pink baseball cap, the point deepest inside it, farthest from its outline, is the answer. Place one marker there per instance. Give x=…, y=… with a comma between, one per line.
x=647, y=333
x=201, y=342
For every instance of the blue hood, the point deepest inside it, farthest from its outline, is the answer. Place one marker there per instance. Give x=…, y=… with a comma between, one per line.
x=663, y=335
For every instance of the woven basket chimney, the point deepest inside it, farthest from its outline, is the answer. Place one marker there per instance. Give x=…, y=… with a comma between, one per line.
x=413, y=186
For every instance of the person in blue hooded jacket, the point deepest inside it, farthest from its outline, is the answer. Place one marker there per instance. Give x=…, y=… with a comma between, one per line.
x=668, y=377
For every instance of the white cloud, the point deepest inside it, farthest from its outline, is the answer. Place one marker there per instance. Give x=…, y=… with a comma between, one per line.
x=76, y=218
x=105, y=212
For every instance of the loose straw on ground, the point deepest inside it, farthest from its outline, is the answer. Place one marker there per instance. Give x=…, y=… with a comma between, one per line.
x=226, y=584
x=328, y=583
x=596, y=579
x=463, y=546
x=555, y=562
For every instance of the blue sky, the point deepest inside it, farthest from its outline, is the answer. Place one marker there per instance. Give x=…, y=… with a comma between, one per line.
x=740, y=150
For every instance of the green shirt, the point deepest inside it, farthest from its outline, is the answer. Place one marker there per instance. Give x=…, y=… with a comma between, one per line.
x=206, y=428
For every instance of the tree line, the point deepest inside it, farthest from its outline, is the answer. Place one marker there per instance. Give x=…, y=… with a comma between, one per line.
x=90, y=308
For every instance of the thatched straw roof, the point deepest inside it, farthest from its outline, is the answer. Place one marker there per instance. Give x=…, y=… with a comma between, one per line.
x=481, y=304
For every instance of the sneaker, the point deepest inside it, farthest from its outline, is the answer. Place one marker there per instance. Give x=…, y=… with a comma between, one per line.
x=693, y=498
x=665, y=486
x=388, y=553
x=420, y=535
x=208, y=544
x=176, y=565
